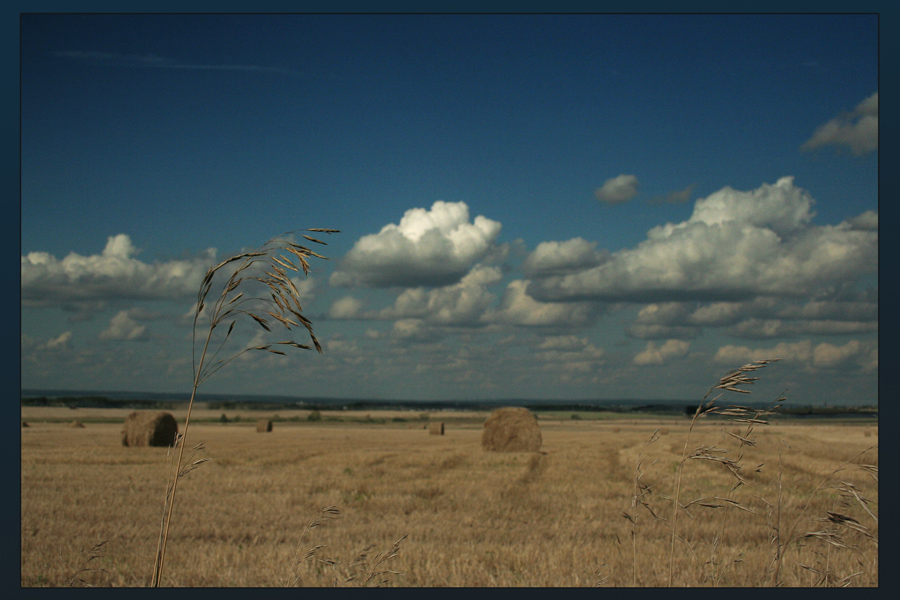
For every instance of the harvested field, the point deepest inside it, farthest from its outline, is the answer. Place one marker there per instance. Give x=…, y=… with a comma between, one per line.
x=473, y=518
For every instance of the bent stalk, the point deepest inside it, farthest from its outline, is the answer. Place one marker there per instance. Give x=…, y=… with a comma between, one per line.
x=263, y=269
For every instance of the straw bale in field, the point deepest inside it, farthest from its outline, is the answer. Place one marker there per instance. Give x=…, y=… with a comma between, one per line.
x=263, y=426
x=144, y=428
x=25, y=424
x=512, y=429
x=76, y=424
x=436, y=429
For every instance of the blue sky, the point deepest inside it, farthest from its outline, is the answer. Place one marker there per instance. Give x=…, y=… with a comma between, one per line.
x=530, y=206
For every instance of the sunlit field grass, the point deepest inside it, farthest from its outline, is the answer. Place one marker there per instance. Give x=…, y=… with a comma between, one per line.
x=593, y=507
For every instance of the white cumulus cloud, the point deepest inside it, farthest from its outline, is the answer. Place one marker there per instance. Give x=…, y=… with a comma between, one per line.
x=518, y=308
x=569, y=354
x=657, y=355
x=123, y=327
x=113, y=274
x=347, y=307
x=461, y=304
x=829, y=355
x=414, y=330
x=789, y=351
x=618, y=189
x=554, y=258
x=857, y=129
x=60, y=341
x=763, y=317
x=736, y=246
x=429, y=247
x=853, y=354
x=781, y=208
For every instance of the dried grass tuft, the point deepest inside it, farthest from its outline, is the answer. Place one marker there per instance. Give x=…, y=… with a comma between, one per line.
x=731, y=382
x=269, y=290
x=363, y=571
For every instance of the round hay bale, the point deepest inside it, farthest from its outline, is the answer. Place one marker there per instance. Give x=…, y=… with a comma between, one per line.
x=511, y=429
x=263, y=426
x=144, y=428
x=76, y=424
x=25, y=424
x=436, y=429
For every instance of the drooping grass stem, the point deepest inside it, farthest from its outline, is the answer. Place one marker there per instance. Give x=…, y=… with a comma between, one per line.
x=264, y=266
x=729, y=382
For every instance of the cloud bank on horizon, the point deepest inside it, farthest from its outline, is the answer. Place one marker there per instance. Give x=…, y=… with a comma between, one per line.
x=751, y=264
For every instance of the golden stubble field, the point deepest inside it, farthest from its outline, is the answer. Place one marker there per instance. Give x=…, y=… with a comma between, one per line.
x=594, y=507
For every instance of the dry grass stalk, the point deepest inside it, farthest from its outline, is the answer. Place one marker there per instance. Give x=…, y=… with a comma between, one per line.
x=262, y=270
x=376, y=570
x=639, y=499
x=363, y=570
x=91, y=555
x=326, y=514
x=838, y=523
x=730, y=382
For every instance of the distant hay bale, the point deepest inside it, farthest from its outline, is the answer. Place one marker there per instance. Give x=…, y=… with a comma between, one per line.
x=143, y=428
x=25, y=424
x=263, y=426
x=511, y=429
x=76, y=424
x=436, y=429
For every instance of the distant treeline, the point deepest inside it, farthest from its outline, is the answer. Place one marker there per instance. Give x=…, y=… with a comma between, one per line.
x=626, y=406
x=95, y=402
x=831, y=411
